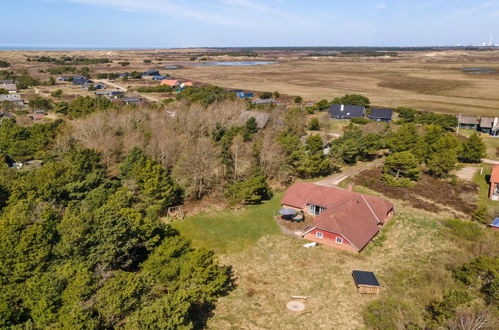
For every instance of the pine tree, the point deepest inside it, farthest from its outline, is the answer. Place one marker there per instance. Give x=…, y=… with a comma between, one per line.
x=473, y=150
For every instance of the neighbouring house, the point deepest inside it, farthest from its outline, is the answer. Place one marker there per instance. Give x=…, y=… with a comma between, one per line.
x=36, y=117
x=378, y=114
x=7, y=81
x=261, y=118
x=151, y=73
x=487, y=124
x=7, y=115
x=242, y=94
x=12, y=163
x=110, y=94
x=80, y=80
x=366, y=282
x=159, y=77
x=495, y=224
x=342, y=219
x=62, y=78
x=494, y=183
x=11, y=88
x=131, y=100
x=171, y=67
x=15, y=99
x=342, y=111
x=99, y=86
x=40, y=112
x=186, y=84
x=264, y=102
x=468, y=122
x=170, y=82
x=124, y=74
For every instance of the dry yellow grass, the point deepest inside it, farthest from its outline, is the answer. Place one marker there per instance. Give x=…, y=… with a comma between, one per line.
x=278, y=267
x=423, y=80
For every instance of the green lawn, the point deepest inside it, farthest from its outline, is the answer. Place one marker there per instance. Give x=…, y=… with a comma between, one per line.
x=231, y=231
x=483, y=197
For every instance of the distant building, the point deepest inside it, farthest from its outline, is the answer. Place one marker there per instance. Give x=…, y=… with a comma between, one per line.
x=468, y=122
x=489, y=125
x=80, y=80
x=342, y=111
x=15, y=99
x=159, y=77
x=110, y=94
x=131, y=100
x=384, y=115
x=264, y=102
x=11, y=88
x=170, y=82
x=186, y=84
x=495, y=224
x=151, y=73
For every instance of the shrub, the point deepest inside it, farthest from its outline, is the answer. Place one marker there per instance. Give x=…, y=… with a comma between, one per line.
x=463, y=229
x=391, y=314
x=298, y=99
x=266, y=95
x=352, y=99
x=314, y=124
x=57, y=93
x=360, y=121
x=253, y=190
x=440, y=311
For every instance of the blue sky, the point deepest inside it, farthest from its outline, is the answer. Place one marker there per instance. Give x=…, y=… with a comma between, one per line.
x=218, y=23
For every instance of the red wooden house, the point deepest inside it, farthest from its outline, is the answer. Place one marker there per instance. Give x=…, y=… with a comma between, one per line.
x=342, y=219
x=494, y=184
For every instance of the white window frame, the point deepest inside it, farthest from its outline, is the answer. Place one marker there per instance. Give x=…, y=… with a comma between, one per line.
x=339, y=240
x=319, y=235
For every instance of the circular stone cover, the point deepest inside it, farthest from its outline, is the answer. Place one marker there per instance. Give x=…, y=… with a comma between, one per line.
x=295, y=306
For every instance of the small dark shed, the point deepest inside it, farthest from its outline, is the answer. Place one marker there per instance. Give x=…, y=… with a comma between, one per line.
x=384, y=115
x=366, y=282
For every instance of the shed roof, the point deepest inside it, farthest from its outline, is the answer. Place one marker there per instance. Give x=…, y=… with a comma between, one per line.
x=468, y=120
x=378, y=113
x=365, y=278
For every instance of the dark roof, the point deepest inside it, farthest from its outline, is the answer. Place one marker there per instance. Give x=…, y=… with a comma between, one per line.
x=130, y=99
x=365, y=278
x=265, y=101
x=468, y=120
x=346, y=111
x=378, y=113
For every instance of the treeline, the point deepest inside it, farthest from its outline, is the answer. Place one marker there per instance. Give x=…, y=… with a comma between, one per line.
x=205, y=95
x=156, y=89
x=69, y=60
x=81, y=249
x=26, y=143
x=114, y=75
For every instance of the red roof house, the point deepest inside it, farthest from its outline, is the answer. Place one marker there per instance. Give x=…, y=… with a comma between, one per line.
x=169, y=82
x=343, y=219
x=494, y=183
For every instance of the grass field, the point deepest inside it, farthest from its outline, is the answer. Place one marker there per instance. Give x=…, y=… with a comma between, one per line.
x=231, y=231
x=270, y=267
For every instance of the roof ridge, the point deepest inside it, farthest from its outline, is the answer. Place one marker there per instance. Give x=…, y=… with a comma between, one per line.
x=370, y=208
